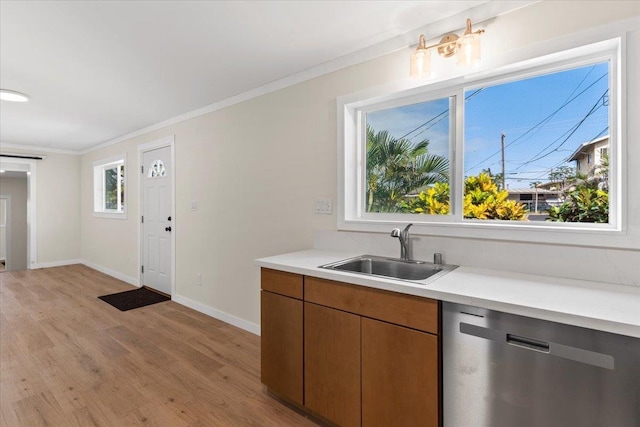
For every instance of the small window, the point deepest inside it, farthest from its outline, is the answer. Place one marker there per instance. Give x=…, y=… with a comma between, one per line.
x=109, y=183
x=157, y=169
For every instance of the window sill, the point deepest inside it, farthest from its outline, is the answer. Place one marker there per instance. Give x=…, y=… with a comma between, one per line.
x=605, y=237
x=110, y=215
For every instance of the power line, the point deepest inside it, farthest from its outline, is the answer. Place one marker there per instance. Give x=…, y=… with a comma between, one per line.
x=541, y=122
x=573, y=130
x=564, y=160
x=443, y=114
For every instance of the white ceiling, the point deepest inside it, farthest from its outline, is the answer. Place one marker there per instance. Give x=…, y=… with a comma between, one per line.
x=97, y=70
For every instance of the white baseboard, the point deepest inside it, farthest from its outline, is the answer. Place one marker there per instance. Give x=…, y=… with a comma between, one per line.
x=131, y=280
x=55, y=263
x=254, y=328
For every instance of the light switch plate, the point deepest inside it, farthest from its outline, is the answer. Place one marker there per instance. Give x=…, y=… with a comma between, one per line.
x=194, y=205
x=323, y=206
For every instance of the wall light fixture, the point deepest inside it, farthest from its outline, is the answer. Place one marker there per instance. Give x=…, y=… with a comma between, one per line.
x=467, y=48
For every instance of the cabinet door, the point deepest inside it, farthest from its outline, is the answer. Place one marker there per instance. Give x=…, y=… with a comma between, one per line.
x=281, y=345
x=332, y=364
x=399, y=376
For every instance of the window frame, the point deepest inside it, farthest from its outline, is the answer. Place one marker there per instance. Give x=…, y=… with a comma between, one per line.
x=420, y=98
x=351, y=108
x=99, y=187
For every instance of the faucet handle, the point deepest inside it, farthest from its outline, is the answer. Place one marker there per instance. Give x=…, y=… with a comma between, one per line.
x=437, y=258
x=395, y=232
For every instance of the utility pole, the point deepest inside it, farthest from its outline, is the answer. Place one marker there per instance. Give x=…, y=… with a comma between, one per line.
x=504, y=187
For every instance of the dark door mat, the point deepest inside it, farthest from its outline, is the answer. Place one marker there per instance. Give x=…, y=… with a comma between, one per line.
x=128, y=300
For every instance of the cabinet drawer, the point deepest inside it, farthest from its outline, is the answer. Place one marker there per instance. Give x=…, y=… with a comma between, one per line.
x=282, y=282
x=406, y=310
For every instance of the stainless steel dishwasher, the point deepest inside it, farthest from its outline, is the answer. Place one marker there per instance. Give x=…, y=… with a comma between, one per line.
x=503, y=370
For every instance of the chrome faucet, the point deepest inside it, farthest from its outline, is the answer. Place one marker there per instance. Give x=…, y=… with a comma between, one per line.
x=404, y=241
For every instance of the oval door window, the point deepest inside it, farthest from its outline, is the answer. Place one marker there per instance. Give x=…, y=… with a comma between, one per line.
x=157, y=169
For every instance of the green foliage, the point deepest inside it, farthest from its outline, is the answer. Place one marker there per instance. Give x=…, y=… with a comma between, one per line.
x=111, y=188
x=562, y=174
x=434, y=202
x=584, y=204
x=587, y=200
x=496, y=177
x=397, y=167
x=482, y=200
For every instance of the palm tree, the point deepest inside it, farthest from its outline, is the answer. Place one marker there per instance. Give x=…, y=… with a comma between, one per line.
x=397, y=167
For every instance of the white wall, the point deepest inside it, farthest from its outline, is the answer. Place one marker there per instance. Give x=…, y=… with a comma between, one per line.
x=58, y=205
x=110, y=244
x=255, y=168
x=17, y=189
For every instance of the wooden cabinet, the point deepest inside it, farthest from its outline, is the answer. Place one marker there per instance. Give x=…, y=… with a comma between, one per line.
x=282, y=335
x=353, y=355
x=399, y=376
x=332, y=364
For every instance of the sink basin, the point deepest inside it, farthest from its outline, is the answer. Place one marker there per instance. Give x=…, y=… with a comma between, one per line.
x=391, y=267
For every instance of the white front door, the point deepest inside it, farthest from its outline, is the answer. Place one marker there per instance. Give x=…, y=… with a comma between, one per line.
x=157, y=221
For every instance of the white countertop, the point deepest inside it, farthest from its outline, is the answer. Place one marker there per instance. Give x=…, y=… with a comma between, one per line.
x=595, y=305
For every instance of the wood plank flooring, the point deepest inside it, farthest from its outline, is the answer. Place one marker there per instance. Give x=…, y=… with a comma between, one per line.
x=70, y=359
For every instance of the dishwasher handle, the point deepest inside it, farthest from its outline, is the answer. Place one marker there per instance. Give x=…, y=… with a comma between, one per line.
x=581, y=355
x=528, y=343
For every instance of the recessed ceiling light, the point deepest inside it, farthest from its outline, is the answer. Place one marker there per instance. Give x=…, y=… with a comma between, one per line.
x=12, y=95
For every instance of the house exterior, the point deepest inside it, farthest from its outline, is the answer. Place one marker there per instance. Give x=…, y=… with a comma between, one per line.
x=537, y=200
x=589, y=155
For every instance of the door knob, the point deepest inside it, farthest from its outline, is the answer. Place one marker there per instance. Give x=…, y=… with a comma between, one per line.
x=167, y=229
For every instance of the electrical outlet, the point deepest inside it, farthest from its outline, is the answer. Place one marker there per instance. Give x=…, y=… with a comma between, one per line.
x=199, y=279
x=323, y=206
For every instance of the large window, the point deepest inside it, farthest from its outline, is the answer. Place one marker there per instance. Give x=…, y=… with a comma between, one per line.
x=109, y=187
x=534, y=148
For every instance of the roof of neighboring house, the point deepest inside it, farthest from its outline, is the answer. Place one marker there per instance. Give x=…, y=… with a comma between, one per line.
x=586, y=147
x=550, y=184
x=531, y=191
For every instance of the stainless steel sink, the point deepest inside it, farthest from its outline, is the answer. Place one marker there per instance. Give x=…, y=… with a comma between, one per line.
x=391, y=267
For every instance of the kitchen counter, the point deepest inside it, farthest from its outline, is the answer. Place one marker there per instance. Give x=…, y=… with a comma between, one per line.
x=594, y=305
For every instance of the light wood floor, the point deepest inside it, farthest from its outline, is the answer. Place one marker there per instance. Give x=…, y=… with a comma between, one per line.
x=70, y=359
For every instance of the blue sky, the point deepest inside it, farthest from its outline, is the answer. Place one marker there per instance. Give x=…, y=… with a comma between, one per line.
x=542, y=127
